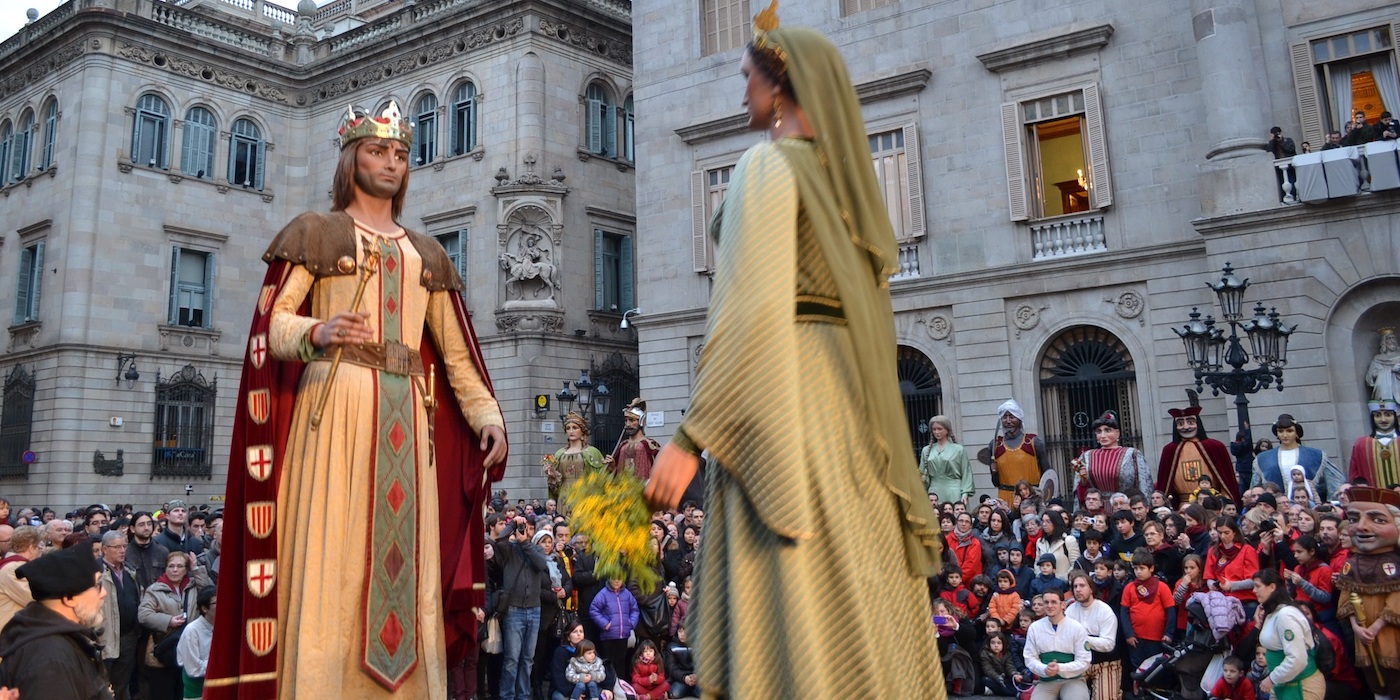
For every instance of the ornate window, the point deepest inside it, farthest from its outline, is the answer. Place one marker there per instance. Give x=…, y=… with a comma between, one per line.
x=612, y=271
x=150, y=132
x=724, y=24
x=922, y=389
x=21, y=145
x=191, y=288
x=1085, y=371
x=1056, y=154
x=16, y=422
x=425, y=130
x=31, y=277
x=463, y=127
x=896, y=155
x=184, y=437
x=245, y=155
x=50, y=134
x=707, y=190
x=600, y=124
x=455, y=243
x=197, y=150
x=1340, y=75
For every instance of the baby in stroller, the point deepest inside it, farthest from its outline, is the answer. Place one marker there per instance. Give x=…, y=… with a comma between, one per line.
x=1177, y=672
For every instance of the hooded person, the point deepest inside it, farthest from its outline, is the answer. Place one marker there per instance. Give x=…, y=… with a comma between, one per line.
x=364, y=395
x=1277, y=464
x=50, y=648
x=1191, y=454
x=801, y=314
x=1016, y=454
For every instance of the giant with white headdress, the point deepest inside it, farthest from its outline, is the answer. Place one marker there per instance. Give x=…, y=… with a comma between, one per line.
x=1018, y=455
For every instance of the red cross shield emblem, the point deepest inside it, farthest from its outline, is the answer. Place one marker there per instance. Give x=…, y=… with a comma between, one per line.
x=262, y=635
x=1389, y=569
x=262, y=515
x=257, y=350
x=259, y=405
x=262, y=576
x=260, y=462
x=265, y=298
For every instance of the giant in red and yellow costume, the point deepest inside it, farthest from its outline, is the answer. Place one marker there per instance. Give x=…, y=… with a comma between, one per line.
x=352, y=552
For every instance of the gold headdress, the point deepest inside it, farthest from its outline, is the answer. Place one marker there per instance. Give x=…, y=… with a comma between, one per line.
x=388, y=125
x=576, y=419
x=764, y=22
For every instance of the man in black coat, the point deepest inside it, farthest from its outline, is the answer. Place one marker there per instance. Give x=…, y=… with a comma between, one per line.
x=49, y=649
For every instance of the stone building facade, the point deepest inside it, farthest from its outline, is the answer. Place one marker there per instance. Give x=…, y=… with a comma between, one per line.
x=153, y=149
x=1064, y=179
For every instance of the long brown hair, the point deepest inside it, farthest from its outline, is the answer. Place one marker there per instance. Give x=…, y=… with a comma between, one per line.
x=343, y=187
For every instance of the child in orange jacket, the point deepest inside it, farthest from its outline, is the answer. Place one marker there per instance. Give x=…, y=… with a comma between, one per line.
x=1006, y=601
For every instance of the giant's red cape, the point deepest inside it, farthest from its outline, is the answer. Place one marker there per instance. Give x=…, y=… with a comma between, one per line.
x=243, y=658
x=1215, y=451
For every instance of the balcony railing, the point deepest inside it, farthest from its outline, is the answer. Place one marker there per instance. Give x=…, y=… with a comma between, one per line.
x=1065, y=237
x=1336, y=173
x=908, y=262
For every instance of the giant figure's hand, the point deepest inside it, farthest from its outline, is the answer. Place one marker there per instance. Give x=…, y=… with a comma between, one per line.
x=343, y=329
x=493, y=443
x=674, y=470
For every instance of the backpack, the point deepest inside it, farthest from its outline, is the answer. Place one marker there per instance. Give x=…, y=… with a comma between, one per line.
x=1324, y=656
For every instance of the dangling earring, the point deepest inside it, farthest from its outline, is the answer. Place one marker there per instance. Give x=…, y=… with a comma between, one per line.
x=777, y=113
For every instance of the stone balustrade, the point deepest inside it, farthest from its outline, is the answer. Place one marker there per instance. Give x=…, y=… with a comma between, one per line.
x=908, y=262
x=1339, y=172
x=1061, y=238
x=33, y=31
x=366, y=34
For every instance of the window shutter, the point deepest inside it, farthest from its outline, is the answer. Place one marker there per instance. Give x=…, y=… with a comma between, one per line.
x=1100, y=184
x=136, y=137
x=26, y=265
x=625, y=284
x=913, y=180
x=462, y=254
x=598, y=269
x=1305, y=85
x=174, y=314
x=595, y=126
x=699, y=227
x=38, y=281
x=261, y=164
x=609, y=130
x=209, y=263
x=1015, y=160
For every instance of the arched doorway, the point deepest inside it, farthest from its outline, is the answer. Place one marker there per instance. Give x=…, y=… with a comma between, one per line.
x=922, y=391
x=1085, y=371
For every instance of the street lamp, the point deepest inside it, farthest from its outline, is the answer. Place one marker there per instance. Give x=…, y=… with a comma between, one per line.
x=1208, y=351
x=587, y=394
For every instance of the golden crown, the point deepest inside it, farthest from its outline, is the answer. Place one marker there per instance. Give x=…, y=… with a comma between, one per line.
x=764, y=22
x=388, y=125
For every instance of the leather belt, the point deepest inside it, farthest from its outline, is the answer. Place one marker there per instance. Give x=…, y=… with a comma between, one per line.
x=394, y=358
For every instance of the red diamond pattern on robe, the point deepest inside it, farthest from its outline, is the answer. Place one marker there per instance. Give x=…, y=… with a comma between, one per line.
x=397, y=436
x=389, y=264
x=395, y=496
x=391, y=634
x=391, y=306
x=393, y=563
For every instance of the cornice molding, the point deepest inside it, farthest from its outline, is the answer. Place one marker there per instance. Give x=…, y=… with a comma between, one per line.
x=54, y=60
x=1287, y=216
x=1054, y=45
x=908, y=81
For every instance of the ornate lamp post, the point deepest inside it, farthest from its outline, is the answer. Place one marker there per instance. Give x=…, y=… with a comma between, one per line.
x=1208, y=351
x=587, y=394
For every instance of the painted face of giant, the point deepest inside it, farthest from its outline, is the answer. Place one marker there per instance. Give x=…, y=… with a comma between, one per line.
x=1383, y=420
x=1187, y=427
x=1371, y=527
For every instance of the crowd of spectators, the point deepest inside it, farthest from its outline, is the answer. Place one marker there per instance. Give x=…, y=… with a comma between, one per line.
x=1125, y=566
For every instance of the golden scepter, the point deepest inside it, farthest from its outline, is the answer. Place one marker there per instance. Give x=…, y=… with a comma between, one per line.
x=367, y=270
x=1370, y=651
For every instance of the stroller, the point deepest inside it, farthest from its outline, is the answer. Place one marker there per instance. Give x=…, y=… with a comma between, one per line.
x=1176, y=673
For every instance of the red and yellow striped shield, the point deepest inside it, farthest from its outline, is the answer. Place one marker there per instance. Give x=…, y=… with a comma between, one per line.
x=259, y=405
x=262, y=515
x=262, y=635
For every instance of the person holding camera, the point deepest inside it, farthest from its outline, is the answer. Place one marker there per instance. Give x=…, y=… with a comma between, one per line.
x=1279, y=145
x=524, y=571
